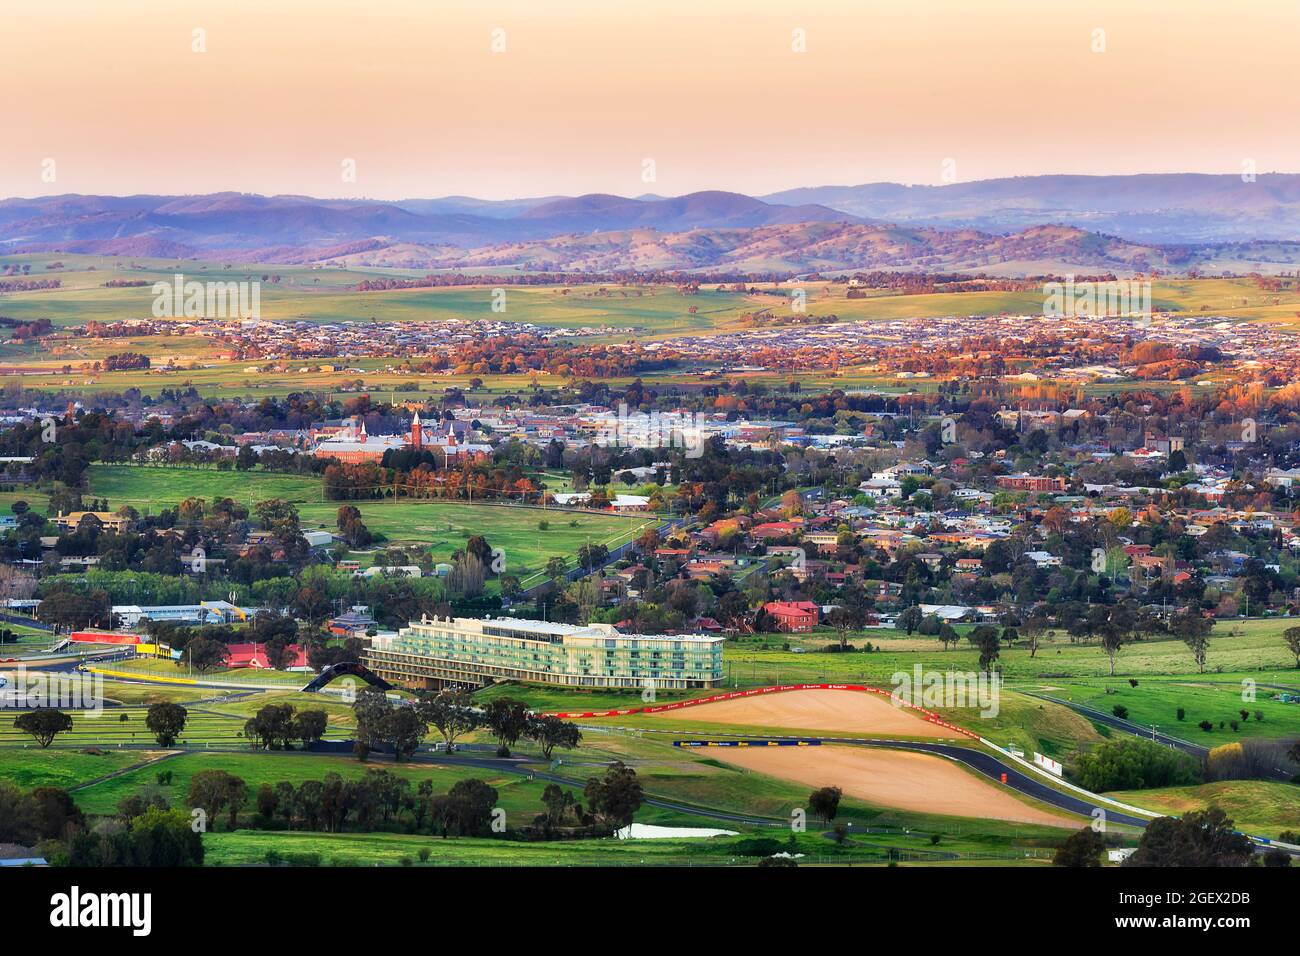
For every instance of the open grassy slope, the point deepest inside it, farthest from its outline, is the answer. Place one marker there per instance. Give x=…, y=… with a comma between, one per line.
x=1258, y=807
x=441, y=527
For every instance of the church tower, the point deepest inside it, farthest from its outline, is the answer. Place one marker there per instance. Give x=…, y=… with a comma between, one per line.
x=417, y=438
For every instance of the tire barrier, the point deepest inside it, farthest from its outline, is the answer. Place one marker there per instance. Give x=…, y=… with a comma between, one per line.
x=104, y=637
x=777, y=742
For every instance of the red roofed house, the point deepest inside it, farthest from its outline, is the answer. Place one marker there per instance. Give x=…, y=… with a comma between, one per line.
x=254, y=655
x=776, y=529
x=672, y=552
x=702, y=570
x=793, y=616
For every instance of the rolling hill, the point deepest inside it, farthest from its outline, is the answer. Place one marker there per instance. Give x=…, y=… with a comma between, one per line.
x=253, y=228
x=1020, y=226
x=806, y=247
x=1151, y=207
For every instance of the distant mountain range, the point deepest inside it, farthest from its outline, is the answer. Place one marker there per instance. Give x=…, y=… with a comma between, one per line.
x=235, y=222
x=1154, y=207
x=1164, y=221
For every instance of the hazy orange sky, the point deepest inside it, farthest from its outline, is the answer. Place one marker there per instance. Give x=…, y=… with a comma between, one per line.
x=586, y=90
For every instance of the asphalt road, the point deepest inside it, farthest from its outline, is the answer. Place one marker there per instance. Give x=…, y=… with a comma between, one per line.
x=983, y=762
x=990, y=766
x=1127, y=726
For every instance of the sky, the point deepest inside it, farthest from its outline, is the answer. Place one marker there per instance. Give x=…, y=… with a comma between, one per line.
x=419, y=98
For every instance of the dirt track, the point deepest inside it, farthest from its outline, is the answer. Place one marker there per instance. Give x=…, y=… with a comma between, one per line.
x=891, y=778
x=850, y=712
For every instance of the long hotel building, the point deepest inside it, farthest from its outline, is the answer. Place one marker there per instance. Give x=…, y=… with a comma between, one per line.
x=437, y=652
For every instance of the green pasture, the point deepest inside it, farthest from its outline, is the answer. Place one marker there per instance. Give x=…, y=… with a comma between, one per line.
x=249, y=847
x=441, y=527
x=1236, y=648
x=1155, y=702
x=1259, y=807
x=149, y=488
x=33, y=767
x=164, y=668
x=329, y=295
x=444, y=526
x=518, y=794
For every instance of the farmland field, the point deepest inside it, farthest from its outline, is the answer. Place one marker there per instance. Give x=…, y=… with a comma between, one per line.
x=615, y=312
x=1237, y=649
x=146, y=487
x=656, y=311
x=440, y=526
x=329, y=295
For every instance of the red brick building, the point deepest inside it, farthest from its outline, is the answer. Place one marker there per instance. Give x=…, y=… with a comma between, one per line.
x=355, y=446
x=793, y=616
x=1031, y=483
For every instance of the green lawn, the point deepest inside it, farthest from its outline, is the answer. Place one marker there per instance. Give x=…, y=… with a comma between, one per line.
x=218, y=723
x=249, y=847
x=150, y=488
x=1255, y=806
x=154, y=667
x=37, y=500
x=441, y=527
x=33, y=767
x=1237, y=648
x=27, y=638
x=518, y=794
x=145, y=694
x=109, y=729
x=1157, y=700
x=444, y=526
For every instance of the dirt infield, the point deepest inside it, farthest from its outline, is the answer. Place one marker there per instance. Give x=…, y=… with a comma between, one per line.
x=892, y=778
x=850, y=712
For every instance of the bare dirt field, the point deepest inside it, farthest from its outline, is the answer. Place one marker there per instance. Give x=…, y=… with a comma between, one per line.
x=850, y=712
x=892, y=778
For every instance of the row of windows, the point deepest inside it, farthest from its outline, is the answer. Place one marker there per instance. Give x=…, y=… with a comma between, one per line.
x=403, y=667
